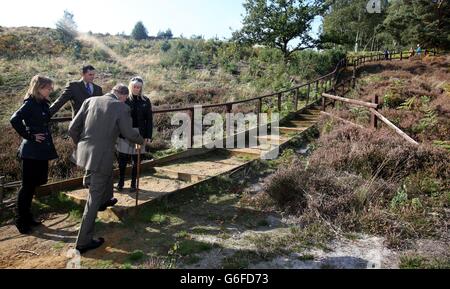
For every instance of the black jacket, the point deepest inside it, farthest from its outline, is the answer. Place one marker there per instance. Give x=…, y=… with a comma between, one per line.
x=76, y=93
x=33, y=118
x=141, y=113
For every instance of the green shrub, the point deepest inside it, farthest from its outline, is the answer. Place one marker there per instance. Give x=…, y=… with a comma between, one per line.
x=400, y=199
x=165, y=46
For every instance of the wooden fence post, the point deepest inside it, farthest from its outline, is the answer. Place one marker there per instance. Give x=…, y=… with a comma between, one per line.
x=373, y=117
x=259, y=110
x=308, y=94
x=191, y=130
x=230, y=130
x=317, y=90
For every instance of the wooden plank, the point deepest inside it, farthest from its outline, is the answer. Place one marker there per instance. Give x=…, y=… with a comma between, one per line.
x=182, y=176
x=351, y=101
x=292, y=129
x=392, y=126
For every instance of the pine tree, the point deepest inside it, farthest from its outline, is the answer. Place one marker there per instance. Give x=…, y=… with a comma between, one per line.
x=139, y=31
x=67, y=27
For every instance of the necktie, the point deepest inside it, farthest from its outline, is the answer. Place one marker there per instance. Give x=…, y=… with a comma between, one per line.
x=88, y=88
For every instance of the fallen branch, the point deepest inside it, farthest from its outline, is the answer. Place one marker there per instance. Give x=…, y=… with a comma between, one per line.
x=29, y=252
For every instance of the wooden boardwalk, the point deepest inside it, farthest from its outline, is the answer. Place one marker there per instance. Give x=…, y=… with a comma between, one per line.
x=185, y=171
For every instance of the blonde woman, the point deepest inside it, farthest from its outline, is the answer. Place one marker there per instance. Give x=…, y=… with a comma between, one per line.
x=31, y=123
x=141, y=113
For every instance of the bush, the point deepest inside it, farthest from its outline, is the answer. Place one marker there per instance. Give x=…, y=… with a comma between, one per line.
x=401, y=193
x=165, y=46
x=287, y=188
x=186, y=54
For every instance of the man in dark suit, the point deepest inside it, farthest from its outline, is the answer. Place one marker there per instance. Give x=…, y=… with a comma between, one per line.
x=78, y=91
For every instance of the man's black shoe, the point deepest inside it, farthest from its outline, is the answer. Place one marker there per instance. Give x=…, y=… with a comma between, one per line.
x=24, y=229
x=110, y=203
x=93, y=245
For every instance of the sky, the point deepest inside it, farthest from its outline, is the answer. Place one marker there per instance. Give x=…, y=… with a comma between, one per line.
x=209, y=18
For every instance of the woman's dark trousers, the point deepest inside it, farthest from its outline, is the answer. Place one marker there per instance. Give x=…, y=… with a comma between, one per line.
x=124, y=159
x=34, y=174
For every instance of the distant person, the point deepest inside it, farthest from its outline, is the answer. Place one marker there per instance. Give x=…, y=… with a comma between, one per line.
x=419, y=50
x=37, y=148
x=425, y=52
x=386, y=54
x=141, y=113
x=95, y=130
x=78, y=91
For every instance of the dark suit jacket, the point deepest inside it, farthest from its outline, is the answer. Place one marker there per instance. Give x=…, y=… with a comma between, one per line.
x=76, y=93
x=32, y=118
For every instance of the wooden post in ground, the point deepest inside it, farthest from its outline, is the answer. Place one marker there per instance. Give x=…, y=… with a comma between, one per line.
x=230, y=128
x=297, y=94
x=191, y=130
x=317, y=90
x=373, y=117
x=259, y=110
x=401, y=55
x=308, y=94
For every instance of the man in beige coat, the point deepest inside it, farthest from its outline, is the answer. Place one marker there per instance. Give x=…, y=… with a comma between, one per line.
x=95, y=130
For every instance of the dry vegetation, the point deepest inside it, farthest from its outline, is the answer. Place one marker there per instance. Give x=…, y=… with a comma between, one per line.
x=415, y=95
x=362, y=180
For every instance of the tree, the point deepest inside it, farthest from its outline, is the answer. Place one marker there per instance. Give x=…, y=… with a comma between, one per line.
x=422, y=22
x=139, y=31
x=67, y=27
x=348, y=23
x=165, y=34
x=281, y=24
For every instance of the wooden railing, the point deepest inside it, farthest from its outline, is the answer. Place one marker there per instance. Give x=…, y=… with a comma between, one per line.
x=313, y=90
x=375, y=114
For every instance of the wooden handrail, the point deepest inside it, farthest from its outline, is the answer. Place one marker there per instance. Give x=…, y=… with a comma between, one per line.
x=351, y=101
x=396, y=129
x=227, y=104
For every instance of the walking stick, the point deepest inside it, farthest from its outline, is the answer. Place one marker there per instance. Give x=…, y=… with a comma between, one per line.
x=138, y=147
